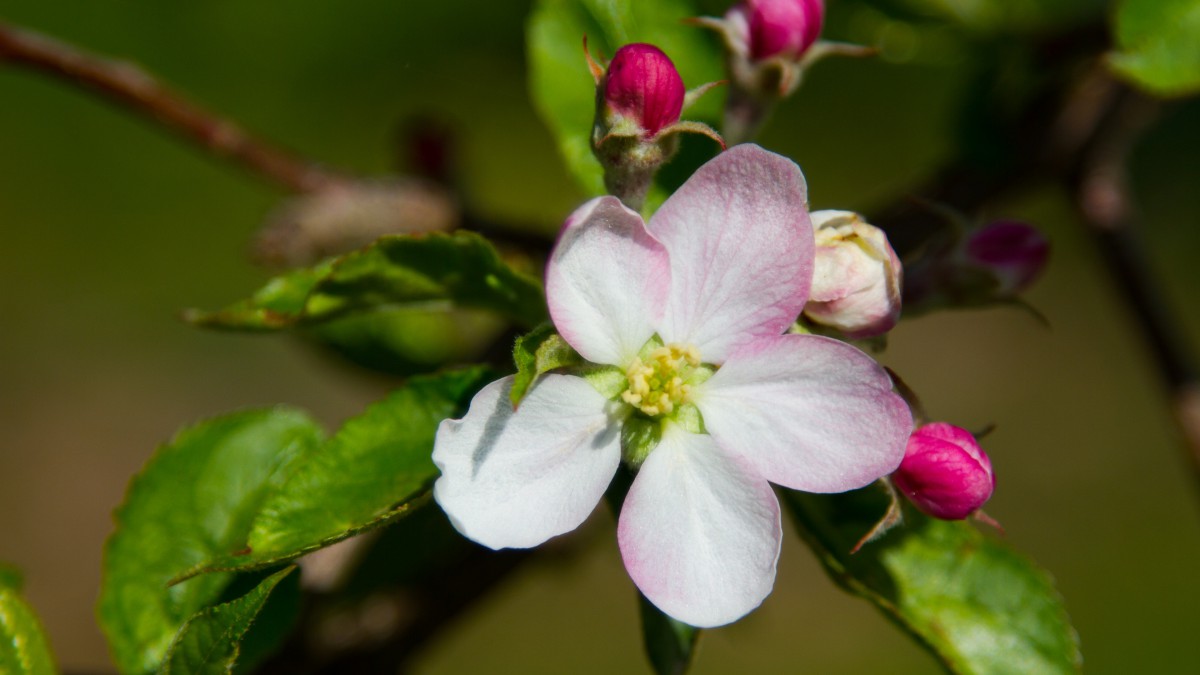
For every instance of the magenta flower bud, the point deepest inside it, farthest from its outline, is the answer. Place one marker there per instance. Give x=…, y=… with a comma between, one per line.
x=856, y=276
x=1015, y=253
x=643, y=86
x=944, y=472
x=783, y=27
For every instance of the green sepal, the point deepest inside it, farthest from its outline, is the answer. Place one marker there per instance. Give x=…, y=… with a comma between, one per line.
x=688, y=416
x=537, y=353
x=639, y=436
x=610, y=381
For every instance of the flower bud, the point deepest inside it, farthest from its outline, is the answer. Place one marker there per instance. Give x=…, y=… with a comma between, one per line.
x=944, y=472
x=783, y=27
x=642, y=87
x=769, y=46
x=1013, y=252
x=639, y=98
x=856, y=276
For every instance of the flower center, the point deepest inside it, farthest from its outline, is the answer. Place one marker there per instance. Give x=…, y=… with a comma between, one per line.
x=662, y=382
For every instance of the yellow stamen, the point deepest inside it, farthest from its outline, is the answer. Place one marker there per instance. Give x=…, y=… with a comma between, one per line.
x=659, y=385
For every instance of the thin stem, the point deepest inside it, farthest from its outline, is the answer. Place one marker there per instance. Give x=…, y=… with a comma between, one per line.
x=1104, y=200
x=745, y=116
x=136, y=90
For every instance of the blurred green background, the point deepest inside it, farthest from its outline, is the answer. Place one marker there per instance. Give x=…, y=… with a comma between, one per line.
x=108, y=228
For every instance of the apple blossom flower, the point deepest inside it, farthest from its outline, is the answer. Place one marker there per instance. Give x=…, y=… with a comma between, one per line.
x=683, y=318
x=945, y=473
x=856, y=281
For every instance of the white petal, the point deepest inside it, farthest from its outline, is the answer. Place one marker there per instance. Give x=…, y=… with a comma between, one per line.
x=513, y=480
x=809, y=413
x=606, y=282
x=699, y=534
x=741, y=251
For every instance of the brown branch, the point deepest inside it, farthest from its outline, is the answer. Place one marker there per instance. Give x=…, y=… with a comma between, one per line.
x=136, y=90
x=1099, y=181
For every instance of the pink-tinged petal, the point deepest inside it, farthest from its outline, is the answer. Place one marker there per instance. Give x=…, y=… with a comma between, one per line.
x=515, y=479
x=699, y=533
x=606, y=282
x=741, y=251
x=809, y=413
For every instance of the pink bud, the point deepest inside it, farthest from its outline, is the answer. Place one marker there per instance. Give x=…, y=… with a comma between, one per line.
x=944, y=472
x=783, y=27
x=856, y=276
x=1013, y=252
x=643, y=86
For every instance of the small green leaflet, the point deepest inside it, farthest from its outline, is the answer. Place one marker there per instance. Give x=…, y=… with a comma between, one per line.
x=1158, y=45
x=670, y=644
x=11, y=577
x=562, y=87
x=536, y=353
x=23, y=647
x=461, y=269
x=210, y=641
x=194, y=500
x=375, y=469
x=978, y=606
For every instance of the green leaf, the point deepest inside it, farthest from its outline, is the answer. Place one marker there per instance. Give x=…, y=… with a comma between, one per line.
x=1159, y=45
x=539, y=352
x=23, y=647
x=374, y=470
x=460, y=269
x=194, y=500
x=275, y=622
x=669, y=643
x=562, y=87
x=978, y=606
x=210, y=641
x=409, y=341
